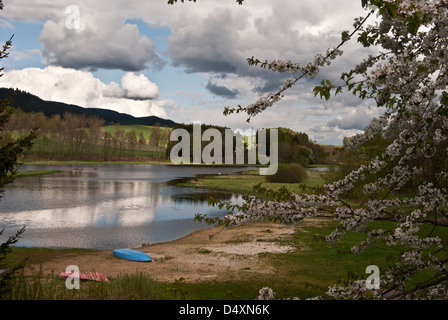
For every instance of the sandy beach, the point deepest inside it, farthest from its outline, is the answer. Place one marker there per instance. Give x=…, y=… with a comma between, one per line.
x=212, y=253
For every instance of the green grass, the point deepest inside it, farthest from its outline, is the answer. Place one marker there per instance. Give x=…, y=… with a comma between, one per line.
x=35, y=173
x=95, y=152
x=305, y=272
x=320, y=165
x=138, y=129
x=308, y=271
x=245, y=182
x=36, y=255
x=124, y=287
x=80, y=162
x=51, y=287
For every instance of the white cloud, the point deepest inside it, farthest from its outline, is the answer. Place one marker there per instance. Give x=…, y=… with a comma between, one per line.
x=356, y=119
x=83, y=89
x=212, y=38
x=206, y=36
x=104, y=40
x=351, y=123
x=330, y=135
x=220, y=40
x=56, y=83
x=139, y=86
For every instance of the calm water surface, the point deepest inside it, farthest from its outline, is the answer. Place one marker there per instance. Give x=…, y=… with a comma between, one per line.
x=106, y=206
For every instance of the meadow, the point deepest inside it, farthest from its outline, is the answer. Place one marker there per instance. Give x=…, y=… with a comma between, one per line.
x=109, y=143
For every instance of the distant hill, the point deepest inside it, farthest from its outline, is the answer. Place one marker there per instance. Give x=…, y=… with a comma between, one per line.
x=28, y=102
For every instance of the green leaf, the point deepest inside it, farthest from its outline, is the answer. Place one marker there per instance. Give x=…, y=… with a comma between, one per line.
x=392, y=9
x=444, y=99
x=415, y=21
x=413, y=27
x=364, y=39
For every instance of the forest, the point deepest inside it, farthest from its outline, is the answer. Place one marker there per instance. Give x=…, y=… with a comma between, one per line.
x=293, y=147
x=79, y=136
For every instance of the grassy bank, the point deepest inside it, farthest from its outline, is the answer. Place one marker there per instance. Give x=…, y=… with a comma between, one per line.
x=244, y=183
x=35, y=173
x=80, y=162
x=305, y=272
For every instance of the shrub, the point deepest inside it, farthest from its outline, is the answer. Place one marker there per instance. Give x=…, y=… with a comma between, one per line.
x=288, y=173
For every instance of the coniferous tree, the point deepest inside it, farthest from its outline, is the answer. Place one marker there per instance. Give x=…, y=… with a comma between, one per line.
x=10, y=150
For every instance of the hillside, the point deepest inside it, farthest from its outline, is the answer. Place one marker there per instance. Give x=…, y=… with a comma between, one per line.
x=28, y=102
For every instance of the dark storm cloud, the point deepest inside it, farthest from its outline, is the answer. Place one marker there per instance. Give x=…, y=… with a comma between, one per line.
x=273, y=82
x=222, y=91
x=194, y=65
x=209, y=44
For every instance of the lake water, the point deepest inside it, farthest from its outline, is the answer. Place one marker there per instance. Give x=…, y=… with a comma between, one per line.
x=107, y=206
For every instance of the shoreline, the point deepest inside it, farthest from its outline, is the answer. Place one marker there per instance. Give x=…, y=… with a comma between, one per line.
x=153, y=162
x=189, y=183
x=149, y=162
x=212, y=253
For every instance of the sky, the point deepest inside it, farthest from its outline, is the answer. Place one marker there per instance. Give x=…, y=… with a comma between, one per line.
x=186, y=62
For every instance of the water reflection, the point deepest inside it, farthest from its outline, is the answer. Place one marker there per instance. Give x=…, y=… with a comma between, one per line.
x=322, y=169
x=105, y=207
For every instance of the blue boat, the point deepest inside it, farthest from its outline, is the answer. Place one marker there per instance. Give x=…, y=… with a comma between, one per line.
x=131, y=254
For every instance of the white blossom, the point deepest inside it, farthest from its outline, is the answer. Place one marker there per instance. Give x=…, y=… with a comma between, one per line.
x=409, y=78
x=266, y=294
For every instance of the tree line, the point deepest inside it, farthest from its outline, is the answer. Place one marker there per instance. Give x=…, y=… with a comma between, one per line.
x=74, y=136
x=85, y=137
x=293, y=147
